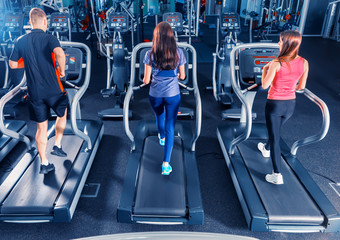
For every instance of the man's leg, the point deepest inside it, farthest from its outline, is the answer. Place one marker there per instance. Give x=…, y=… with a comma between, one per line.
x=59, y=105
x=60, y=126
x=41, y=139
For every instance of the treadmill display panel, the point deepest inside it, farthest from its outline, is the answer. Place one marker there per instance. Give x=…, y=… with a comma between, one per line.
x=230, y=22
x=118, y=22
x=252, y=62
x=13, y=22
x=175, y=20
x=59, y=22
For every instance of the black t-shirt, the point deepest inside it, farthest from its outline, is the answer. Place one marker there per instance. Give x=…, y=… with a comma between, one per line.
x=36, y=49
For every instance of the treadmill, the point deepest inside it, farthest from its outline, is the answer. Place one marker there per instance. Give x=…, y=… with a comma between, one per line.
x=6, y=142
x=147, y=196
x=12, y=29
x=27, y=196
x=298, y=205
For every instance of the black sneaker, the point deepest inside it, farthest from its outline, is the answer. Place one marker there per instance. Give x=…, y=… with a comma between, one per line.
x=58, y=152
x=44, y=169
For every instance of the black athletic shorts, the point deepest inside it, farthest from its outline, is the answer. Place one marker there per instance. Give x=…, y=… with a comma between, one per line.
x=40, y=110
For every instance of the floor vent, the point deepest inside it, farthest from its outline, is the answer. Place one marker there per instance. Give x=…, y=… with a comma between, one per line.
x=90, y=190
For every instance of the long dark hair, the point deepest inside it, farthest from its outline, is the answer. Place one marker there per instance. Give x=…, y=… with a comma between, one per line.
x=291, y=41
x=164, y=48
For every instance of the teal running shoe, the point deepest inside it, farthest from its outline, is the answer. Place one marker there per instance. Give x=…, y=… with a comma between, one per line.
x=161, y=141
x=166, y=170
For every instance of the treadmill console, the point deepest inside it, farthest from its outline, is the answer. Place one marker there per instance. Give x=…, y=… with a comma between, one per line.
x=13, y=22
x=230, y=22
x=252, y=62
x=73, y=65
x=59, y=22
x=175, y=20
x=12, y=28
x=118, y=22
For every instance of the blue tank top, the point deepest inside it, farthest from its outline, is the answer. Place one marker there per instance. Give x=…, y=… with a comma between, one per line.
x=164, y=83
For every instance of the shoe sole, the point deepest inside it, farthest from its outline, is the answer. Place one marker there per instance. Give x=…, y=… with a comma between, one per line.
x=276, y=183
x=59, y=155
x=45, y=172
x=263, y=155
x=166, y=173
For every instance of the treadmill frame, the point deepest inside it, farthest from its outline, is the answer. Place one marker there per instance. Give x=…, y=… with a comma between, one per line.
x=91, y=132
x=253, y=209
x=195, y=214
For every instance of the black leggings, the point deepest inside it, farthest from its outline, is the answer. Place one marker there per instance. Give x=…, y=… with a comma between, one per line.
x=277, y=113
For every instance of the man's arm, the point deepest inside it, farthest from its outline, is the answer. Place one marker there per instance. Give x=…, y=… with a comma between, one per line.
x=61, y=59
x=13, y=64
x=15, y=60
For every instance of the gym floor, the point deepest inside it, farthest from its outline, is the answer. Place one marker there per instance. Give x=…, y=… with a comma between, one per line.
x=223, y=213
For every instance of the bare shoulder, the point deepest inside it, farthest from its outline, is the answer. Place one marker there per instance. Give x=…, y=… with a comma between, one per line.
x=305, y=62
x=275, y=64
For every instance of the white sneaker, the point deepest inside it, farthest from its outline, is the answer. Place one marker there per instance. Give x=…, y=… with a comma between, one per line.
x=274, y=178
x=263, y=150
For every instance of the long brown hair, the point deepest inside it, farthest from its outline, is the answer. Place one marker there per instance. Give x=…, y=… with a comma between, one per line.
x=164, y=48
x=291, y=41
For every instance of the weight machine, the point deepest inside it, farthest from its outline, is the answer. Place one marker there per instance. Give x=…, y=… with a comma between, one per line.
x=274, y=16
x=331, y=22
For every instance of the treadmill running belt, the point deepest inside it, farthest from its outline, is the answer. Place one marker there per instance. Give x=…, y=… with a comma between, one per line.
x=158, y=195
x=36, y=193
x=287, y=203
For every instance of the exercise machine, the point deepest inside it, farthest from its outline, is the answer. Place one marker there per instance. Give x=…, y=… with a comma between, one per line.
x=148, y=196
x=228, y=26
x=60, y=25
x=298, y=205
x=117, y=77
x=331, y=22
x=53, y=197
x=176, y=22
x=190, y=10
x=12, y=28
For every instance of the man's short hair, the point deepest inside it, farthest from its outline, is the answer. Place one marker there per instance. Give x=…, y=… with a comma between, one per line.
x=37, y=15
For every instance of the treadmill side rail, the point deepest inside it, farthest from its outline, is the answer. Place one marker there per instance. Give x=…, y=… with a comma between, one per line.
x=67, y=202
x=196, y=213
x=332, y=217
x=254, y=213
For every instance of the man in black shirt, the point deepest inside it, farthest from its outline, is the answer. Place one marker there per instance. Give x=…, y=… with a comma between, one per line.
x=38, y=51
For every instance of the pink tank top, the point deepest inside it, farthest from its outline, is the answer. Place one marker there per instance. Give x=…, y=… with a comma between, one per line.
x=284, y=83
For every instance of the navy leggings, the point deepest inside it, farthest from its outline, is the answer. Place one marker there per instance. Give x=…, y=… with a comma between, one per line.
x=166, y=110
x=277, y=113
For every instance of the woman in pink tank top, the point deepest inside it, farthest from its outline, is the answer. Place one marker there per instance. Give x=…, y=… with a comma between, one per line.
x=284, y=75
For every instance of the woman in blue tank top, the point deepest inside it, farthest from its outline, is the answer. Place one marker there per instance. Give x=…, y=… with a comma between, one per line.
x=165, y=62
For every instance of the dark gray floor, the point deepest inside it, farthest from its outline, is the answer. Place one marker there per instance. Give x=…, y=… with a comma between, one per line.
x=223, y=213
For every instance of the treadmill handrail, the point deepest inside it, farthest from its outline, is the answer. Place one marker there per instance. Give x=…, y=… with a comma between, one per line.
x=236, y=87
x=7, y=97
x=5, y=60
x=325, y=122
x=80, y=91
x=131, y=88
